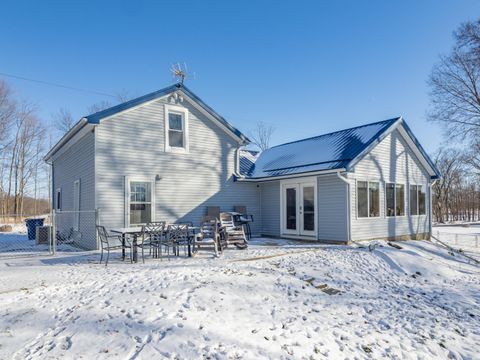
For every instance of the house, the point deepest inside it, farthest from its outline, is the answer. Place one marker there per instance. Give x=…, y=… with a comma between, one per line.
x=168, y=155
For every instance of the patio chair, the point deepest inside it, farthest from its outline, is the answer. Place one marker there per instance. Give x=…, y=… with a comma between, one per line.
x=153, y=234
x=209, y=236
x=110, y=242
x=179, y=236
x=151, y=238
x=234, y=234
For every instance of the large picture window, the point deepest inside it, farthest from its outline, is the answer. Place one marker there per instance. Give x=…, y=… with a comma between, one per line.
x=417, y=200
x=395, y=199
x=368, y=199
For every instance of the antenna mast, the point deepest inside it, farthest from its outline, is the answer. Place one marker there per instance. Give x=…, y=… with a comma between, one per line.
x=180, y=72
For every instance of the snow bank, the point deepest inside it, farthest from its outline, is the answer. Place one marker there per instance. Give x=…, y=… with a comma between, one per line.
x=282, y=302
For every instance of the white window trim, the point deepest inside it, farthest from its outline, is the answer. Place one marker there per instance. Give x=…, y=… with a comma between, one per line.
x=368, y=200
x=129, y=179
x=395, y=199
x=418, y=200
x=184, y=111
x=58, y=191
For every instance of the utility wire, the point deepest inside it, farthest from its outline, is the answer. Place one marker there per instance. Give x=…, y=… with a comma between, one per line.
x=57, y=85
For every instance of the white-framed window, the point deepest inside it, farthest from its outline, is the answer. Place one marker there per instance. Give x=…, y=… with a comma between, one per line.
x=58, y=199
x=417, y=200
x=176, y=129
x=368, y=199
x=140, y=201
x=394, y=199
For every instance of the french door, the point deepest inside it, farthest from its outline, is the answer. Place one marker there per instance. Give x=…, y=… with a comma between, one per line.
x=299, y=208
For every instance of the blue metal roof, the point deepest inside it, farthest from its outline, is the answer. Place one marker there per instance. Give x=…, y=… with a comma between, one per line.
x=331, y=151
x=96, y=117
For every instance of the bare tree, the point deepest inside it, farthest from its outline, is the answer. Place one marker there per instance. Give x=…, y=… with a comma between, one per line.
x=455, y=85
x=63, y=120
x=472, y=157
x=120, y=97
x=261, y=135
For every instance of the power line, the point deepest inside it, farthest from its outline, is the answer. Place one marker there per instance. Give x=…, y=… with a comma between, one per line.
x=57, y=85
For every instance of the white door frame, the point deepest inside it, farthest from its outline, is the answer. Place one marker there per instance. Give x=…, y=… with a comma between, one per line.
x=298, y=184
x=76, y=205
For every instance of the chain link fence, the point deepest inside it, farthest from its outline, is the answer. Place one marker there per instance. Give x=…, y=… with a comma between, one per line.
x=24, y=234
x=75, y=229
x=15, y=239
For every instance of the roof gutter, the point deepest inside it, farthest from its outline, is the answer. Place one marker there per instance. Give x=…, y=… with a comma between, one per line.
x=347, y=206
x=78, y=126
x=290, y=176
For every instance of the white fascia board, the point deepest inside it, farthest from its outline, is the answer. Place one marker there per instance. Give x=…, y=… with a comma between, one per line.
x=70, y=142
x=212, y=118
x=292, y=176
x=416, y=151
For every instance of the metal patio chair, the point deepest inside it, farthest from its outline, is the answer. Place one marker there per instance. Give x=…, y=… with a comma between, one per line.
x=110, y=242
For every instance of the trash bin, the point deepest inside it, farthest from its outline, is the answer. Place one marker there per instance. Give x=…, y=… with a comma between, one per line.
x=32, y=227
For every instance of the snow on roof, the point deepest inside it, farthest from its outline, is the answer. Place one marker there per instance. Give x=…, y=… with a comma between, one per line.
x=247, y=161
x=325, y=152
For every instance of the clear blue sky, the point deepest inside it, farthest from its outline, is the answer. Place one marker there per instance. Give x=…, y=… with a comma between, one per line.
x=305, y=67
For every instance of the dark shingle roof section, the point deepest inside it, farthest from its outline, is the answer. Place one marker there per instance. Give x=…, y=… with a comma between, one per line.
x=324, y=152
x=96, y=117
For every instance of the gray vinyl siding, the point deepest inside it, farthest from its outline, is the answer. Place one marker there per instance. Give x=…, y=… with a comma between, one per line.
x=132, y=144
x=392, y=160
x=77, y=163
x=332, y=208
x=270, y=202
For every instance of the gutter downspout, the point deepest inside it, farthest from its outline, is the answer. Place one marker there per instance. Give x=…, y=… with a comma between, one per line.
x=347, y=197
x=236, y=172
x=430, y=210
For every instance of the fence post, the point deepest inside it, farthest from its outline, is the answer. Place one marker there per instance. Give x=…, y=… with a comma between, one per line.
x=456, y=239
x=54, y=232
x=97, y=222
x=476, y=240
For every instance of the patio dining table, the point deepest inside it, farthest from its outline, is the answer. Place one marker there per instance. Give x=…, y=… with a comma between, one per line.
x=133, y=231
x=136, y=231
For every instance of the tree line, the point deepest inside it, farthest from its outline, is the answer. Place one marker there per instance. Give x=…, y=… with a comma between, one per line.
x=22, y=145
x=455, y=105
x=24, y=140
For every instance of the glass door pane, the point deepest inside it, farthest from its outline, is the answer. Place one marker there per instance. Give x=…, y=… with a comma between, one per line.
x=291, y=208
x=308, y=208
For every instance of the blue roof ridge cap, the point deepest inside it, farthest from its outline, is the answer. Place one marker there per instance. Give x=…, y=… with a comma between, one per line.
x=338, y=131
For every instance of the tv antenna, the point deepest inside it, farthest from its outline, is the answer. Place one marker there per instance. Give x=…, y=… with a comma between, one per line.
x=180, y=72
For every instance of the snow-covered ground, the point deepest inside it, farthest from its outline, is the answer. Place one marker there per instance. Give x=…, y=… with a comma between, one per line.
x=274, y=300
x=17, y=244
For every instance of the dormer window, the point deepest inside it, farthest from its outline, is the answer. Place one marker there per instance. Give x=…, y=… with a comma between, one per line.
x=176, y=129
